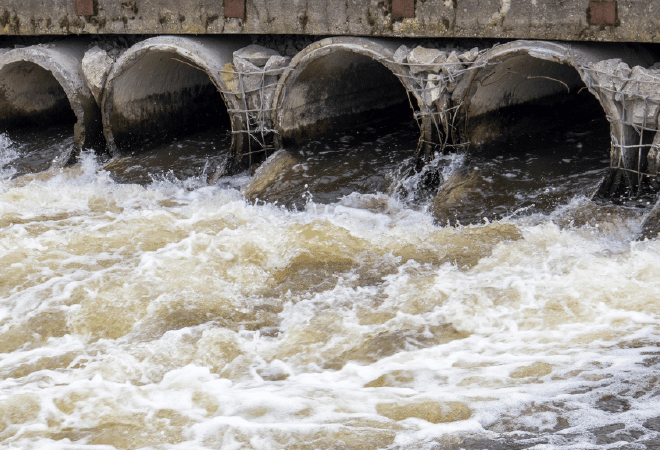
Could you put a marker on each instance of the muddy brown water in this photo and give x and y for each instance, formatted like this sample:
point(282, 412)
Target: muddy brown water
point(142, 308)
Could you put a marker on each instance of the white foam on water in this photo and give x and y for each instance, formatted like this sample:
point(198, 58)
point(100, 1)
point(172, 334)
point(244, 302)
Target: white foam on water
point(178, 315)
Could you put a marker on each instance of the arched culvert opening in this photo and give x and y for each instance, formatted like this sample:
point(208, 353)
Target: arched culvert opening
point(165, 88)
point(164, 95)
point(524, 86)
point(341, 84)
point(345, 120)
point(31, 96)
point(538, 134)
point(516, 95)
point(46, 107)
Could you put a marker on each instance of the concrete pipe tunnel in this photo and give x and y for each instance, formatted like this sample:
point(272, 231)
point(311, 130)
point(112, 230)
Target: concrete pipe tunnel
point(46, 103)
point(340, 83)
point(338, 99)
point(524, 94)
point(166, 88)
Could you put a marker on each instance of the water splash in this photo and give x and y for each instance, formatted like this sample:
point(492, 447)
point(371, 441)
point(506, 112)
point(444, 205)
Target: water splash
point(411, 185)
point(7, 154)
point(169, 181)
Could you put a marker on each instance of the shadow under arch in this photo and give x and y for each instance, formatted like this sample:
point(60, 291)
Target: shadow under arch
point(340, 82)
point(167, 86)
point(43, 85)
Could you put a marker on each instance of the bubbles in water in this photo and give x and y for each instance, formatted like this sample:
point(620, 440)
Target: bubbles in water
point(307, 195)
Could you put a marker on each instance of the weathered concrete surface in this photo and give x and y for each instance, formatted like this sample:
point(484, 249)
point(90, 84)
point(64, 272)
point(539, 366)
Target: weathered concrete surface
point(96, 65)
point(166, 84)
point(45, 84)
point(520, 71)
point(524, 71)
point(630, 21)
point(342, 81)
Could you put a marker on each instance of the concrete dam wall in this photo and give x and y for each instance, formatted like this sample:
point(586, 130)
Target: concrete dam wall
point(117, 96)
point(268, 73)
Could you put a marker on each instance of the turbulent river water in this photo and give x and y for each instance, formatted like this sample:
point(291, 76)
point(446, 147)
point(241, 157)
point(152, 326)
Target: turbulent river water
point(345, 308)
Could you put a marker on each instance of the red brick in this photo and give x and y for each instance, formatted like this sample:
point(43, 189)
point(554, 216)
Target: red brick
point(403, 9)
point(602, 13)
point(235, 8)
point(84, 7)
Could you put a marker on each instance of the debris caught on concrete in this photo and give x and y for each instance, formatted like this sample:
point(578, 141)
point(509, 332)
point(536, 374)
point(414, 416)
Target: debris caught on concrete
point(470, 55)
point(252, 82)
point(431, 75)
point(430, 72)
point(255, 54)
point(422, 59)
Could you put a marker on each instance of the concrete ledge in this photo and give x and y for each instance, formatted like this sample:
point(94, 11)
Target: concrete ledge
point(574, 20)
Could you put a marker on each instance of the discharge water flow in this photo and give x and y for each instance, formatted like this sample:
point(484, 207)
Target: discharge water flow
point(143, 308)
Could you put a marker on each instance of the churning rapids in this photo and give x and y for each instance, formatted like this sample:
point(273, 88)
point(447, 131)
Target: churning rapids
point(143, 308)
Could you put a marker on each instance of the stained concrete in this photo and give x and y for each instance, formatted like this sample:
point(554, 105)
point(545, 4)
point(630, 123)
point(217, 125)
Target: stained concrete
point(460, 95)
point(467, 97)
